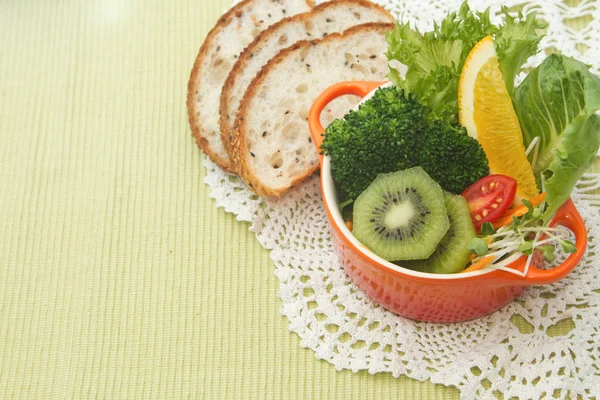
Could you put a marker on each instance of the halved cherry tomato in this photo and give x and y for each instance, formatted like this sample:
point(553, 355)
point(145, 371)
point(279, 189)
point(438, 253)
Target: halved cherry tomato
point(490, 197)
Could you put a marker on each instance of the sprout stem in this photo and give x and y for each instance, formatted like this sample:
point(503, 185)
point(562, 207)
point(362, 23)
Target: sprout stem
point(533, 143)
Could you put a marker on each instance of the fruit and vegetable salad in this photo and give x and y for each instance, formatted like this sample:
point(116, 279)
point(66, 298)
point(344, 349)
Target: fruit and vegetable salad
point(456, 167)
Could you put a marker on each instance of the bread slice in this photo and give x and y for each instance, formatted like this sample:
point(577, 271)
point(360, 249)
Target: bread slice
point(234, 31)
point(272, 144)
point(331, 17)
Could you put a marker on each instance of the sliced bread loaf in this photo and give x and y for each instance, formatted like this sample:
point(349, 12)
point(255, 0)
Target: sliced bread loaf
point(272, 146)
point(330, 17)
point(234, 31)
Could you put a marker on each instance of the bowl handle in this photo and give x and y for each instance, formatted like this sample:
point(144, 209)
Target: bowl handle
point(569, 217)
point(358, 88)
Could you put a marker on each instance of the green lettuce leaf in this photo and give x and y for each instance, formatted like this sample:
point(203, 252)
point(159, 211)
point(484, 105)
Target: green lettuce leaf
point(557, 102)
point(515, 42)
point(435, 59)
point(432, 73)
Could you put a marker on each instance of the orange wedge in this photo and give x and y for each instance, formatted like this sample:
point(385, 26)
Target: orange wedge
point(486, 110)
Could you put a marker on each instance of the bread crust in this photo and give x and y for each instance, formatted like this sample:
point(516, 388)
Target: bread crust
point(192, 89)
point(227, 135)
point(239, 155)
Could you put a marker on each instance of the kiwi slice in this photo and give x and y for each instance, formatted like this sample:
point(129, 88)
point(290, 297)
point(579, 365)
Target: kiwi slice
point(401, 215)
point(450, 255)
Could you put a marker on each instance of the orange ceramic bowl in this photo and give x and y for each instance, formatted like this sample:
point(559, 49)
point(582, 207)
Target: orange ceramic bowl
point(425, 296)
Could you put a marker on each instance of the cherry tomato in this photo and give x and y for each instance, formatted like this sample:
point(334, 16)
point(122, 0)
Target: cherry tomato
point(490, 197)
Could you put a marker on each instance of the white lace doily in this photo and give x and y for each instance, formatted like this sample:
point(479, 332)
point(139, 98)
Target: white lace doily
point(514, 351)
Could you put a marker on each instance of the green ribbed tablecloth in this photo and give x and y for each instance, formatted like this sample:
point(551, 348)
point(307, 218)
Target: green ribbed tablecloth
point(119, 278)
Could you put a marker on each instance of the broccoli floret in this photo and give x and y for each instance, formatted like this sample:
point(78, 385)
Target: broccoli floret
point(451, 157)
point(367, 141)
point(392, 132)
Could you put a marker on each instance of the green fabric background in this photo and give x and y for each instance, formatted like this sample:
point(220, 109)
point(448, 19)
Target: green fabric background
point(119, 278)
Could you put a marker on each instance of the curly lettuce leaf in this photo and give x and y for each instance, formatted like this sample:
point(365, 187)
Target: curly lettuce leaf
point(516, 41)
point(431, 72)
point(557, 102)
point(466, 26)
point(434, 59)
